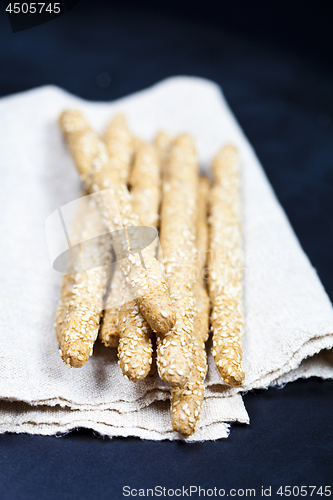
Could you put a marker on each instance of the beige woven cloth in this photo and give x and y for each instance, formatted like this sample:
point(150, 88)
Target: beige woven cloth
point(288, 315)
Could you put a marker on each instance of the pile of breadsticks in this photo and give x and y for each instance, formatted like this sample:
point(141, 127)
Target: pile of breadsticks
point(157, 314)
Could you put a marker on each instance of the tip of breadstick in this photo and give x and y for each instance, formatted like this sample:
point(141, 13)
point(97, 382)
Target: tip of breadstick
point(135, 361)
point(72, 120)
point(118, 120)
point(135, 373)
point(231, 374)
point(160, 320)
point(173, 364)
point(162, 139)
point(182, 426)
point(184, 140)
point(185, 414)
point(76, 354)
point(225, 159)
point(108, 332)
point(175, 380)
point(229, 150)
point(165, 320)
point(110, 340)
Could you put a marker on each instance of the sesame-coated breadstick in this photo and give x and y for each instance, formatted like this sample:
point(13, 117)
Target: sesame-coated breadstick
point(145, 194)
point(200, 289)
point(68, 279)
point(145, 183)
point(147, 282)
point(163, 143)
point(81, 302)
point(135, 345)
point(225, 266)
point(202, 224)
point(118, 140)
point(119, 143)
point(178, 219)
point(186, 402)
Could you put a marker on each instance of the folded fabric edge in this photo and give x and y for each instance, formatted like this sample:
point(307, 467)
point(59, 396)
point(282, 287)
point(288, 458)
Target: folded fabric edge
point(319, 366)
point(307, 350)
point(214, 391)
point(220, 430)
point(120, 406)
point(21, 418)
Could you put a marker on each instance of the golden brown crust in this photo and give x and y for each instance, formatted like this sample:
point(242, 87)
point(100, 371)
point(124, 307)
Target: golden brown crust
point(226, 265)
point(151, 293)
point(186, 402)
point(139, 300)
point(135, 346)
point(202, 225)
point(145, 184)
point(163, 143)
point(81, 302)
point(178, 217)
point(119, 145)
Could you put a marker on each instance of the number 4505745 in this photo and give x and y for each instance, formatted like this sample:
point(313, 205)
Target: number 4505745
point(33, 8)
point(304, 491)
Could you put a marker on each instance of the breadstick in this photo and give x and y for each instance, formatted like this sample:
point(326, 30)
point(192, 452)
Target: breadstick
point(81, 303)
point(135, 345)
point(178, 217)
point(163, 143)
point(225, 266)
point(119, 143)
point(200, 289)
point(145, 193)
point(66, 297)
point(186, 402)
point(68, 279)
point(145, 185)
point(147, 282)
point(118, 140)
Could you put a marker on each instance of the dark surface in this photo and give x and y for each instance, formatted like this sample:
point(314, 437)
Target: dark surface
point(278, 83)
point(289, 442)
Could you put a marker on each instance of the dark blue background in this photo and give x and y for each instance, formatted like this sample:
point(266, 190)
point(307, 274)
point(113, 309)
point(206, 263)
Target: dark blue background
point(274, 63)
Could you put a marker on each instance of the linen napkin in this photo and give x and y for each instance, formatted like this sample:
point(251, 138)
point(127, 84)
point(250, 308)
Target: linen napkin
point(288, 316)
